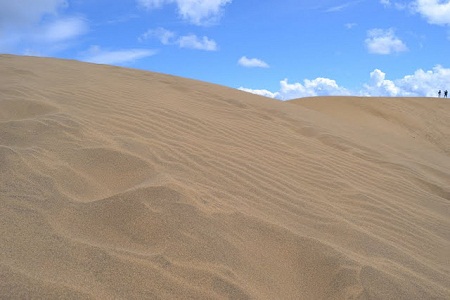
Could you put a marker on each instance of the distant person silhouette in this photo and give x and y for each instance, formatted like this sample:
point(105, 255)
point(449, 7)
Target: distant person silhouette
point(439, 93)
point(445, 93)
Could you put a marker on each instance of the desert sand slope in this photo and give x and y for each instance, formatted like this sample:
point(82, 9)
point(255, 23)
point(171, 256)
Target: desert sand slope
point(118, 183)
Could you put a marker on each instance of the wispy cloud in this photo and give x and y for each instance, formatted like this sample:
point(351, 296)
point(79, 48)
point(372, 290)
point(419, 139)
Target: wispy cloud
point(194, 42)
point(166, 37)
point(197, 12)
point(384, 42)
point(122, 19)
point(252, 62)
point(63, 29)
point(38, 27)
point(25, 13)
point(342, 6)
point(350, 25)
point(115, 57)
point(190, 41)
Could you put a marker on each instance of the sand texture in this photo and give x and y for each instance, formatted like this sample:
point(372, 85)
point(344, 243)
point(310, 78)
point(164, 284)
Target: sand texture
point(123, 184)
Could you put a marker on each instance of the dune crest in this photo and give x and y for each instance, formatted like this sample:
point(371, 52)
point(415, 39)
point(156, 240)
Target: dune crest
point(119, 183)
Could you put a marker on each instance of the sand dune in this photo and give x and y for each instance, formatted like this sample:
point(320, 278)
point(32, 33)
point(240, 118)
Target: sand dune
point(119, 183)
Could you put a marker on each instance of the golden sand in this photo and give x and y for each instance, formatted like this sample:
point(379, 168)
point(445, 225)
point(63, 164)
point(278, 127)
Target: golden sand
point(125, 184)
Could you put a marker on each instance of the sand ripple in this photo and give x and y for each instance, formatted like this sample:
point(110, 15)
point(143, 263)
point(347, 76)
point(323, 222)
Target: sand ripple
point(118, 183)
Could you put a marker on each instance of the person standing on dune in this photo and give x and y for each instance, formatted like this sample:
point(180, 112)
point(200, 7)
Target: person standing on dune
point(445, 93)
point(439, 93)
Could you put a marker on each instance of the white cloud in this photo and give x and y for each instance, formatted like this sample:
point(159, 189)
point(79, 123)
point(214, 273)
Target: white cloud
point(421, 83)
point(118, 57)
point(24, 13)
point(264, 93)
point(150, 4)
point(37, 26)
point(201, 11)
point(350, 25)
point(399, 5)
point(342, 6)
point(165, 36)
point(316, 87)
point(379, 85)
point(191, 41)
point(198, 12)
point(381, 41)
point(252, 62)
point(62, 30)
point(434, 11)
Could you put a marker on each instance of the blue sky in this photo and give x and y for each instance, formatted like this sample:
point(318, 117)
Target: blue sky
point(277, 48)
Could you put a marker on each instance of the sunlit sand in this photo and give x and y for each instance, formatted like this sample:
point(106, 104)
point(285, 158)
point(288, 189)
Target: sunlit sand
point(119, 183)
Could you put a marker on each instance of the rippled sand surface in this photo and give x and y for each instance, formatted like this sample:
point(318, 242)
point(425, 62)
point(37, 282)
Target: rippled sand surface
point(125, 184)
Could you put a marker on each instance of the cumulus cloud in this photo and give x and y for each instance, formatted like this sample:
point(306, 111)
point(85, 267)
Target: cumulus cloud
point(252, 62)
point(421, 83)
point(379, 85)
point(316, 87)
point(117, 57)
point(198, 12)
point(384, 42)
point(191, 41)
point(436, 12)
point(265, 93)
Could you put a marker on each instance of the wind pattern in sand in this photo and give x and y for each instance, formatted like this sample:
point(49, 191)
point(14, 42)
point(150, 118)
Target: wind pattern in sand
point(119, 183)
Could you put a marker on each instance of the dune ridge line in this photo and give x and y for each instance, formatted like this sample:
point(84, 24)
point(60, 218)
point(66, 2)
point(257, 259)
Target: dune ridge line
point(121, 183)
